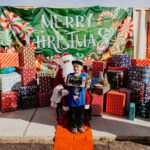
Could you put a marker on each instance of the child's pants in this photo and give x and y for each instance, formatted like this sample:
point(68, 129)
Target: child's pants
point(76, 116)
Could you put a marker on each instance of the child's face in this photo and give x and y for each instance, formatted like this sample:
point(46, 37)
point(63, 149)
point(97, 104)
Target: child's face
point(77, 68)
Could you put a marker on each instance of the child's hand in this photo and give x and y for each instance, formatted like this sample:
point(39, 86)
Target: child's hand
point(64, 92)
point(88, 81)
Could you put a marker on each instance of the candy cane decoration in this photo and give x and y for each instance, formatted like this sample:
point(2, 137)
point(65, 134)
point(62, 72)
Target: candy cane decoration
point(88, 60)
point(12, 21)
point(104, 14)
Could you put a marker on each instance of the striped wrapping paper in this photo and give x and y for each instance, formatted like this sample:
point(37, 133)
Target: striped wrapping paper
point(139, 73)
point(26, 56)
point(120, 60)
point(140, 62)
point(10, 82)
point(9, 60)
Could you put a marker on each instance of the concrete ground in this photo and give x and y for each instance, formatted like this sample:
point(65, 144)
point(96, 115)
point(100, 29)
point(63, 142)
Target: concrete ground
point(37, 126)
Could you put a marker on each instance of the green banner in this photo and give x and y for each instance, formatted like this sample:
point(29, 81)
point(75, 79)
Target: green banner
point(86, 33)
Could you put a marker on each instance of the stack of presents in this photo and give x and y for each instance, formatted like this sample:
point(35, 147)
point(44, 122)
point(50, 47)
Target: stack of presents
point(121, 87)
point(21, 86)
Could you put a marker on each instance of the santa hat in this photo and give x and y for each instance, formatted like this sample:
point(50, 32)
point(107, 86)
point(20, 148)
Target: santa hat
point(67, 56)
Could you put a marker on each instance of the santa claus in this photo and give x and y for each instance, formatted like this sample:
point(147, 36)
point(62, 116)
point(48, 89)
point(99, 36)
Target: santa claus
point(58, 99)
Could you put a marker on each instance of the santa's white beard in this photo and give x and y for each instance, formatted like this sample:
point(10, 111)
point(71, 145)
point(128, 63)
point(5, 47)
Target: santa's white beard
point(67, 68)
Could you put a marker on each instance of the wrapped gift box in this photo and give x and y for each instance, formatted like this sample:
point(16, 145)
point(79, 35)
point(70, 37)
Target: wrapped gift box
point(139, 73)
point(10, 82)
point(125, 71)
point(100, 90)
point(128, 96)
point(140, 62)
point(117, 68)
point(27, 102)
point(137, 91)
point(142, 109)
point(132, 111)
point(44, 81)
point(98, 66)
point(26, 57)
point(147, 93)
point(97, 104)
point(115, 103)
point(9, 60)
point(120, 60)
point(44, 99)
point(28, 76)
point(8, 101)
point(115, 78)
point(28, 90)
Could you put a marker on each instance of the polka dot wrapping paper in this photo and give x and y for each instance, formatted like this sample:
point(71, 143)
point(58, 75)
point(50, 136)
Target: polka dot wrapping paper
point(98, 66)
point(8, 101)
point(121, 60)
point(26, 57)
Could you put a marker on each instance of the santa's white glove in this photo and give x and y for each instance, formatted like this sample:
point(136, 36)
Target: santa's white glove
point(53, 104)
point(64, 92)
point(65, 108)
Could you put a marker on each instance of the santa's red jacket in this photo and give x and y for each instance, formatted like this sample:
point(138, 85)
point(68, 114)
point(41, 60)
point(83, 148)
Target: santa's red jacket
point(60, 80)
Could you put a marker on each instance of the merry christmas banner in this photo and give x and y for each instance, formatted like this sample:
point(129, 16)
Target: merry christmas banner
point(87, 33)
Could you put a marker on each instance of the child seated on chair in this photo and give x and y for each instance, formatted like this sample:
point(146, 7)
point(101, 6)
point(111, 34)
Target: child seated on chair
point(76, 99)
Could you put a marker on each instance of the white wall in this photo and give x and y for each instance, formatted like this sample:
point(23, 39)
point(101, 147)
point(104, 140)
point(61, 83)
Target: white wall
point(77, 3)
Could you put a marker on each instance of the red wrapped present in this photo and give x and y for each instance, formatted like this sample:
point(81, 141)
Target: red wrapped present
point(44, 81)
point(44, 99)
point(140, 62)
point(9, 60)
point(26, 56)
point(115, 103)
point(98, 66)
point(97, 104)
point(117, 68)
point(8, 101)
point(28, 76)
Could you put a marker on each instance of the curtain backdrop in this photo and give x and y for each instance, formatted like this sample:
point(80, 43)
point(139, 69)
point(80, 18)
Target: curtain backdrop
point(141, 18)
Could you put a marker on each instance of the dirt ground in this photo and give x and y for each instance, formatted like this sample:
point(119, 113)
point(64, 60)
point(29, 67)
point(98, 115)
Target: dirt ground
point(117, 145)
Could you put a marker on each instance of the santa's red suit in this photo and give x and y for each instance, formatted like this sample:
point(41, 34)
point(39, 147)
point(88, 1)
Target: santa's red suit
point(66, 68)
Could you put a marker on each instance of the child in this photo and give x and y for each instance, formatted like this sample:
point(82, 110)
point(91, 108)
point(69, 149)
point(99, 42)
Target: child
point(76, 100)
